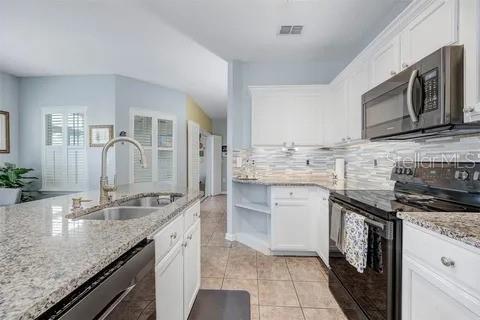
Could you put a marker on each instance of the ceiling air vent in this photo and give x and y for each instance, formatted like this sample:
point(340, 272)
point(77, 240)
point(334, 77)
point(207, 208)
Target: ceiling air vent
point(284, 30)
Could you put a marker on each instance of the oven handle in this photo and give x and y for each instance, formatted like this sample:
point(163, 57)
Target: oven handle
point(114, 304)
point(411, 110)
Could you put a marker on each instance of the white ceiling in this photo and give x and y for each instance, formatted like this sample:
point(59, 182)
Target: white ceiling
point(335, 30)
point(168, 41)
point(63, 37)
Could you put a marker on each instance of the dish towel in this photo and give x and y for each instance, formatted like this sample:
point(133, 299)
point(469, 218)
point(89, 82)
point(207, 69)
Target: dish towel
point(336, 225)
point(356, 240)
point(375, 253)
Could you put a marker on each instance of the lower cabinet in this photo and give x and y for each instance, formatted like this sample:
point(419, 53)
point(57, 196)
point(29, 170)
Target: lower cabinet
point(439, 277)
point(177, 273)
point(291, 221)
point(191, 266)
point(300, 220)
point(169, 285)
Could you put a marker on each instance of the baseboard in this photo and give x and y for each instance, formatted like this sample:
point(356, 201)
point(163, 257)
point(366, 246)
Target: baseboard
point(230, 237)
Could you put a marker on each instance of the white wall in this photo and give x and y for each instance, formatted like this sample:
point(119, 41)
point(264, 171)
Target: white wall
point(220, 129)
point(97, 93)
point(9, 87)
point(132, 93)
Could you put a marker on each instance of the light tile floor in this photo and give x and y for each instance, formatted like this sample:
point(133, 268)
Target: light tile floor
point(281, 288)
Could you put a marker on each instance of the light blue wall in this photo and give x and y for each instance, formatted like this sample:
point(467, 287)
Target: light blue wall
point(9, 87)
point(268, 73)
point(95, 92)
point(132, 93)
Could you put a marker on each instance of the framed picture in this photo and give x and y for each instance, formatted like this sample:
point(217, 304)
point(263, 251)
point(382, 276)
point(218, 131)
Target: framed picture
point(4, 132)
point(100, 134)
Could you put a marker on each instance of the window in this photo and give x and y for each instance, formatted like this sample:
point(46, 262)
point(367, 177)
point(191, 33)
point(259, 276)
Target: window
point(64, 160)
point(157, 134)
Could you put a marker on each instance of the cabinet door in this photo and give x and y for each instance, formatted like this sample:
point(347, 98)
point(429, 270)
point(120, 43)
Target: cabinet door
point(269, 119)
point(435, 27)
point(169, 285)
point(305, 120)
point(323, 227)
point(357, 86)
point(386, 62)
point(191, 256)
point(291, 222)
point(426, 295)
point(335, 127)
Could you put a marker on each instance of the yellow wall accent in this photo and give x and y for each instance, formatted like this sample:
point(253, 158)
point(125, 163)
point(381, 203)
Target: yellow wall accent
point(195, 113)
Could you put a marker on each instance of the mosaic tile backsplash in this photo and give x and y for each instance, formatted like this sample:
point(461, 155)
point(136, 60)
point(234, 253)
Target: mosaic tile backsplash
point(369, 162)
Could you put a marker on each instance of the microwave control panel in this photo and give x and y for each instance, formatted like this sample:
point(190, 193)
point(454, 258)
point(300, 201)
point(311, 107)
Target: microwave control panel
point(430, 90)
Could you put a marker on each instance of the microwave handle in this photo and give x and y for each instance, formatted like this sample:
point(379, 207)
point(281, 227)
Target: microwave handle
point(411, 110)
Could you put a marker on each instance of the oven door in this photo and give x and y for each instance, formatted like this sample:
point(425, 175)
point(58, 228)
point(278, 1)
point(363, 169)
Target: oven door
point(375, 293)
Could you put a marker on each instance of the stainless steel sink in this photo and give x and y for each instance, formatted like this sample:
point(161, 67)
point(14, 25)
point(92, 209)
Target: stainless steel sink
point(118, 213)
point(157, 201)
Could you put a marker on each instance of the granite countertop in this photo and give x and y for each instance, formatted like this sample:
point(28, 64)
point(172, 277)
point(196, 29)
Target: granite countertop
point(44, 255)
point(322, 181)
point(461, 226)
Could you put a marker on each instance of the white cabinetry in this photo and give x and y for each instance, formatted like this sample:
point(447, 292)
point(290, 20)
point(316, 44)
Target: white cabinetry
point(191, 266)
point(177, 265)
point(169, 285)
point(287, 114)
point(291, 221)
point(357, 85)
point(433, 28)
point(335, 124)
point(385, 62)
point(440, 278)
point(322, 224)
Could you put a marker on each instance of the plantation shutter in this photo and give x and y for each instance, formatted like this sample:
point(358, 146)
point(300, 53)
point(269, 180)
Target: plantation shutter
point(156, 133)
point(64, 164)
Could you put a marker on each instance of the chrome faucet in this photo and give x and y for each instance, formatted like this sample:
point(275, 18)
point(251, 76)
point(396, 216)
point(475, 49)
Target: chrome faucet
point(105, 188)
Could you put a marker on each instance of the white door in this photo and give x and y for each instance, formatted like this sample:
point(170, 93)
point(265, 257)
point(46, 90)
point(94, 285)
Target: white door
point(191, 265)
point(386, 62)
point(193, 155)
point(356, 87)
point(214, 165)
point(427, 295)
point(435, 27)
point(291, 224)
point(169, 286)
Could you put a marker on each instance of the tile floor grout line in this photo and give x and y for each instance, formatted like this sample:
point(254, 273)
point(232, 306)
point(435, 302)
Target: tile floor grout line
point(296, 292)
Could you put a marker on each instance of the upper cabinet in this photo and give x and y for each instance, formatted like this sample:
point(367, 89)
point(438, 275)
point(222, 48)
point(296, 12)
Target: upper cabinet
point(288, 115)
point(357, 85)
point(433, 28)
point(385, 62)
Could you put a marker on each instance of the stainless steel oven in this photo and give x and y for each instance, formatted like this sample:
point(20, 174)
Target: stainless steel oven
point(425, 99)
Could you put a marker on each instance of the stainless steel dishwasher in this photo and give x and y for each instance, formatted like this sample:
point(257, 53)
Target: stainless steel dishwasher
point(101, 296)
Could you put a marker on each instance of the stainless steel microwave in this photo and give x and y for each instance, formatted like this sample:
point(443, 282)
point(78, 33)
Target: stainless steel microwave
point(424, 100)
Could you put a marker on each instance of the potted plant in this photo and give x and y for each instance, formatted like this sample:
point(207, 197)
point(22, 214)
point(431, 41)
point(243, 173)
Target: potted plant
point(12, 180)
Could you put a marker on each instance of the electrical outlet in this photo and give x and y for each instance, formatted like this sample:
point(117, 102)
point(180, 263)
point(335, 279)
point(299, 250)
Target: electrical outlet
point(375, 163)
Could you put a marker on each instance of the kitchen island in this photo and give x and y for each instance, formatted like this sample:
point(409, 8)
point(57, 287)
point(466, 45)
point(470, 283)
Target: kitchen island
point(44, 255)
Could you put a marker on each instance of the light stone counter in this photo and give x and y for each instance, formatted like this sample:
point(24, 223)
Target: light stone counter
point(44, 255)
point(461, 226)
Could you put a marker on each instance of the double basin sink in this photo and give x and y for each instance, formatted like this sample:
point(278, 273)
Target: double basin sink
point(132, 209)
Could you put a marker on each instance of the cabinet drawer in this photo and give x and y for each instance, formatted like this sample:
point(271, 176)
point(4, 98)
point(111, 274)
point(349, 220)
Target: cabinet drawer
point(166, 238)
point(431, 248)
point(290, 193)
point(191, 215)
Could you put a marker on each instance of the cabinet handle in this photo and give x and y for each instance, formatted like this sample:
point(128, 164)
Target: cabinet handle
point(447, 262)
point(392, 73)
point(468, 109)
point(185, 244)
point(189, 237)
point(173, 236)
point(405, 65)
point(324, 199)
point(276, 203)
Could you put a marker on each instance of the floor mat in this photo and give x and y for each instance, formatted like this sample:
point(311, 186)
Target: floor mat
point(221, 305)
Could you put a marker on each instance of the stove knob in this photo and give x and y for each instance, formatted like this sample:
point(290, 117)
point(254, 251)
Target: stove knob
point(476, 175)
point(461, 175)
point(399, 170)
point(409, 171)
